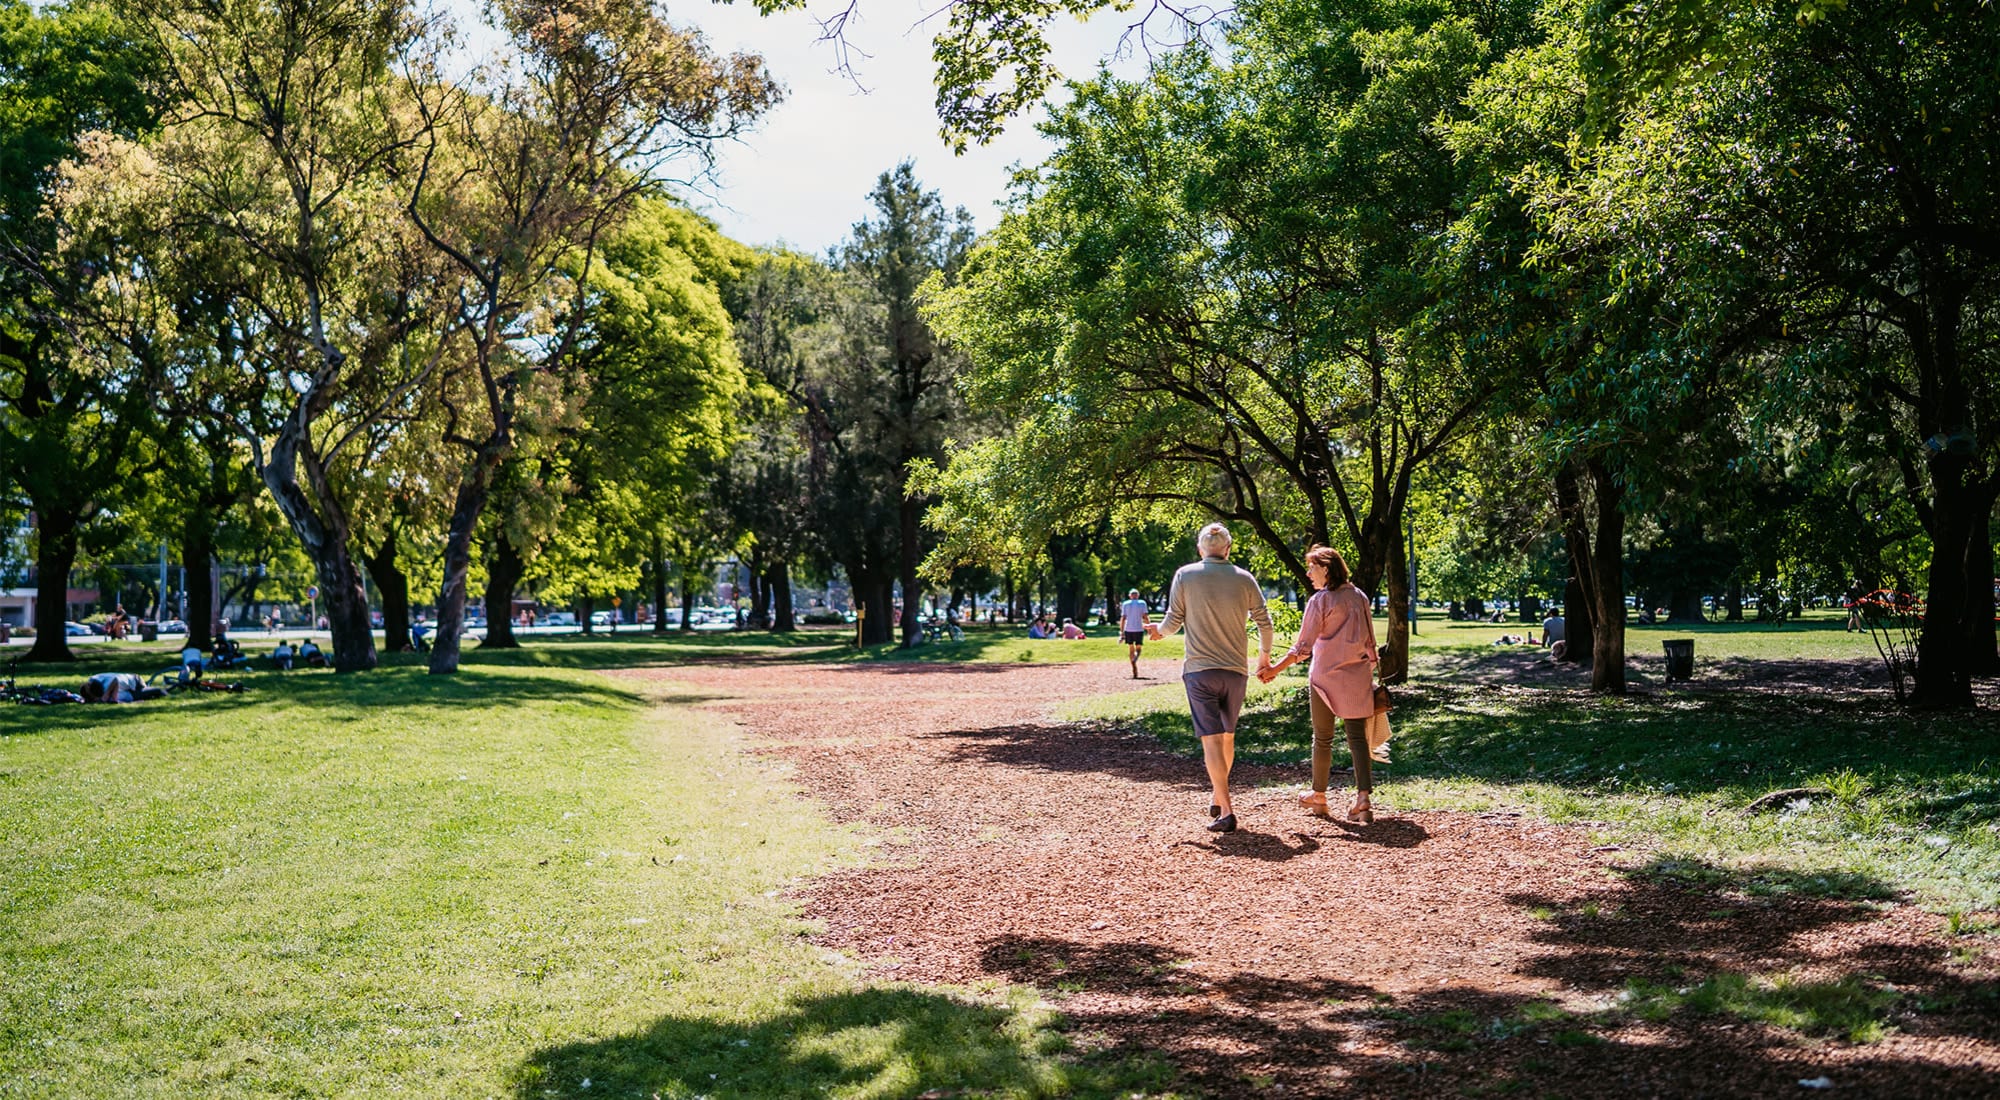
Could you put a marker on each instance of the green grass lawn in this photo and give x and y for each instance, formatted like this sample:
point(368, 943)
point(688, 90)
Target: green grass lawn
point(521, 881)
point(1817, 635)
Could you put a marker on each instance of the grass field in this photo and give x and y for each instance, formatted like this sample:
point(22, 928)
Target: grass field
point(522, 881)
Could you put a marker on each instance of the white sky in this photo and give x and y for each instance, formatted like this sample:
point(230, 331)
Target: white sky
point(801, 178)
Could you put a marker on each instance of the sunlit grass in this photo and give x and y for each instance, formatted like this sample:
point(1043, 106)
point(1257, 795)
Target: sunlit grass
point(500, 883)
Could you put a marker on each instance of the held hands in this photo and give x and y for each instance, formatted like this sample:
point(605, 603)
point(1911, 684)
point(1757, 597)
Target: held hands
point(1266, 672)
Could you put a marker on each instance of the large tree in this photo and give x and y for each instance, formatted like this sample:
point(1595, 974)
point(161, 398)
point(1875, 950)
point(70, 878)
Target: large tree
point(270, 182)
point(528, 165)
point(1824, 175)
point(909, 375)
point(71, 432)
point(1214, 294)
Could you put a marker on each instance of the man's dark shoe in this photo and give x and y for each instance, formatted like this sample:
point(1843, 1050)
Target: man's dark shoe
point(1214, 810)
point(1223, 824)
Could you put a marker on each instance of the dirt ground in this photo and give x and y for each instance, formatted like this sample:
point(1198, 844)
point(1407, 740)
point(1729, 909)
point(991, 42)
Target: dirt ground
point(1418, 956)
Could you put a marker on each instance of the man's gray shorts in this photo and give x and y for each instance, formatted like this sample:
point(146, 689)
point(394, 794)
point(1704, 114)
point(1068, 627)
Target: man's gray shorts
point(1215, 696)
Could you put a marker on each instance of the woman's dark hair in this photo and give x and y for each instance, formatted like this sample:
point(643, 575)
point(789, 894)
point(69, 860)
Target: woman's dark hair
point(1328, 558)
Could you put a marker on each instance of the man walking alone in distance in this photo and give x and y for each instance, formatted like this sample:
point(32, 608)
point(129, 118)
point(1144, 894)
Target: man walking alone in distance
point(1133, 612)
point(1212, 599)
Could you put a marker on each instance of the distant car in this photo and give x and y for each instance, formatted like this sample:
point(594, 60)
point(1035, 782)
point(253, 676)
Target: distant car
point(173, 626)
point(559, 618)
point(77, 630)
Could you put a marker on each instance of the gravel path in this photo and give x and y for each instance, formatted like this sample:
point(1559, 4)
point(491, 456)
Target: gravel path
point(1428, 954)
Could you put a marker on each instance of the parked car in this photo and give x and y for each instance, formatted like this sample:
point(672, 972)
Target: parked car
point(603, 618)
point(559, 618)
point(77, 630)
point(173, 626)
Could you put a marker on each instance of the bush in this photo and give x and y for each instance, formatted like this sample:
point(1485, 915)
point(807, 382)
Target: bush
point(823, 618)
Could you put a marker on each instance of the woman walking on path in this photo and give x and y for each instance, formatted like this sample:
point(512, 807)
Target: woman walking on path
point(1338, 632)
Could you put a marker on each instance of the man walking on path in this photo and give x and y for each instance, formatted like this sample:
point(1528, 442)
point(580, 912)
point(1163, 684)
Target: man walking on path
point(1212, 598)
point(1133, 629)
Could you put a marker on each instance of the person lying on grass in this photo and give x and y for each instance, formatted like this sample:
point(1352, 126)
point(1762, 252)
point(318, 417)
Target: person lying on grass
point(118, 687)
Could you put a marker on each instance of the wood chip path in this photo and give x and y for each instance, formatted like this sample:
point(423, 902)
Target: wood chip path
point(1303, 957)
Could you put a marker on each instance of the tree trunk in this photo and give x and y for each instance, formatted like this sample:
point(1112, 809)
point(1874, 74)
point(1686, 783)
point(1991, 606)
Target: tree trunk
point(782, 620)
point(470, 503)
point(1072, 600)
point(1733, 601)
point(760, 593)
point(55, 555)
point(1607, 575)
point(687, 602)
point(503, 575)
point(659, 585)
point(1982, 654)
point(1944, 661)
point(394, 585)
point(876, 598)
point(1576, 614)
point(322, 534)
point(586, 612)
point(1395, 668)
point(197, 554)
point(1599, 559)
point(909, 515)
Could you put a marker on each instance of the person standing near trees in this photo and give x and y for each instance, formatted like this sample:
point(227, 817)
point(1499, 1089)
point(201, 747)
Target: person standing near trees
point(1212, 599)
point(1133, 627)
point(1337, 632)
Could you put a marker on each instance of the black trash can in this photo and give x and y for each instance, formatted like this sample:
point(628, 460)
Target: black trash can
point(149, 630)
point(1680, 658)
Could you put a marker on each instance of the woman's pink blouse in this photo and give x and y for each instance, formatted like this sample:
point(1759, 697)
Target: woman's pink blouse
point(1338, 632)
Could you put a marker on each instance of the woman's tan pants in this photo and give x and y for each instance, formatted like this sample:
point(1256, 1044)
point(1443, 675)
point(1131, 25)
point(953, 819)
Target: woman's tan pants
point(1325, 724)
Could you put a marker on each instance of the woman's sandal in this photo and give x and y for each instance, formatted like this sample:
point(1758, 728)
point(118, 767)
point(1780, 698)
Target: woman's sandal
point(1363, 814)
point(1314, 802)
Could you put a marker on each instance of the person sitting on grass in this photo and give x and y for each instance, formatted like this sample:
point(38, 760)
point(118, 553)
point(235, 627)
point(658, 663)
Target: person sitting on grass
point(228, 654)
point(1071, 631)
point(309, 652)
point(1035, 630)
point(281, 657)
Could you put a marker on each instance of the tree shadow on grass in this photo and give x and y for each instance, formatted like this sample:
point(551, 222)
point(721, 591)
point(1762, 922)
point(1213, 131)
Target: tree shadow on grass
point(885, 1042)
point(18, 720)
point(328, 695)
point(646, 650)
